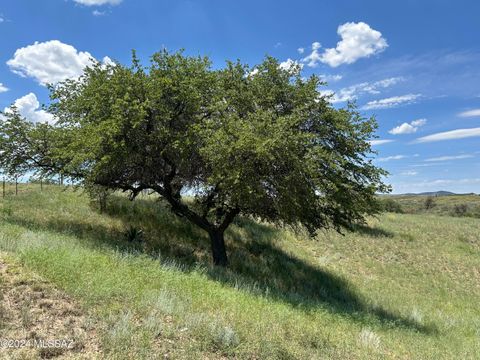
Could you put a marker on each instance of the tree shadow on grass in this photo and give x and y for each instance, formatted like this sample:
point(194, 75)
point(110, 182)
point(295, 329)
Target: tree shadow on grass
point(255, 259)
point(372, 231)
point(257, 265)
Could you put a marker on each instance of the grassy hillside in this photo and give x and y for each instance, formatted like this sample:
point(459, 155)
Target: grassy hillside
point(406, 287)
point(450, 205)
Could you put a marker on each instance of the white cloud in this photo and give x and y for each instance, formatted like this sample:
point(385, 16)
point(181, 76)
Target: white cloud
point(359, 40)
point(429, 164)
point(50, 62)
point(29, 107)
point(394, 157)
point(408, 128)
point(301, 50)
point(405, 128)
point(354, 91)
point(253, 72)
point(330, 78)
point(98, 13)
point(457, 181)
point(419, 122)
point(450, 135)
point(380, 142)
point(315, 57)
point(98, 2)
point(288, 64)
point(409, 173)
point(3, 88)
point(470, 113)
point(391, 102)
point(106, 61)
point(452, 157)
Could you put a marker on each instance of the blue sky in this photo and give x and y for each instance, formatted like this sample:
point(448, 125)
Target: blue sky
point(415, 65)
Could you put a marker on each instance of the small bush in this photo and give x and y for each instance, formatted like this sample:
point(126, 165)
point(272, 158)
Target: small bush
point(429, 203)
point(119, 337)
point(460, 209)
point(390, 205)
point(99, 196)
point(475, 212)
point(224, 337)
point(369, 339)
point(134, 235)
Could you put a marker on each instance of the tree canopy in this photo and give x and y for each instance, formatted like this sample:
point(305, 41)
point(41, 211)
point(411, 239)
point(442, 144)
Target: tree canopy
point(260, 142)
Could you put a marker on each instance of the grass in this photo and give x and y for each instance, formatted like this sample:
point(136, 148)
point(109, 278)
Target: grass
point(32, 311)
point(406, 286)
point(450, 205)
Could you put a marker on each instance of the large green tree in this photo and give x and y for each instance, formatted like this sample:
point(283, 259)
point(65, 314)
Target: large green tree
point(214, 143)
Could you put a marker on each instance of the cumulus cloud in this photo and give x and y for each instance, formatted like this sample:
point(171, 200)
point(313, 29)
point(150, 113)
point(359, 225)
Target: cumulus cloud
point(50, 62)
point(3, 88)
point(106, 61)
point(450, 157)
point(301, 50)
point(450, 135)
point(288, 64)
point(380, 142)
point(394, 157)
point(29, 107)
point(315, 57)
point(359, 40)
point(408, 128)
point(470, 113)
point(391, 102)
point(98, 2)
point(354, 91)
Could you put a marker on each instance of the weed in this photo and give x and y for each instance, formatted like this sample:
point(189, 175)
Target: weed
point(369, 339)
point(134, 235)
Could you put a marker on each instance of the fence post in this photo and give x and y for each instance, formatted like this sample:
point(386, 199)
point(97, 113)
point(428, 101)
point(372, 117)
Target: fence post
point(16, 185)
point(3, 193)
point(41, 184)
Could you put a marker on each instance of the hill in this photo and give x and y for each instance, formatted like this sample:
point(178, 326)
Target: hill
point(466, 205)
point(405, 286)
point(430, 193)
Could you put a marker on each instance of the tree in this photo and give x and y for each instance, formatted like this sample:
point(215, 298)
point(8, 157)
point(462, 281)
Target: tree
point(213, 143)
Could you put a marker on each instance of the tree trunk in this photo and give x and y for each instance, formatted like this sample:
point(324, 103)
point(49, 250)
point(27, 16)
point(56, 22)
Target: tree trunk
point(219, 252)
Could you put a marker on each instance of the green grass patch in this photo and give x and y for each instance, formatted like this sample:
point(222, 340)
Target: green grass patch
point(406, 286)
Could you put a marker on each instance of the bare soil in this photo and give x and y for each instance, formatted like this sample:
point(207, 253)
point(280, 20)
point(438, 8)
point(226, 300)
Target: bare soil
point(38, 321)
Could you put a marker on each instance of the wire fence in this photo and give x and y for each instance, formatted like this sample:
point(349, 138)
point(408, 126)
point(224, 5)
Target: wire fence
point(13, 186)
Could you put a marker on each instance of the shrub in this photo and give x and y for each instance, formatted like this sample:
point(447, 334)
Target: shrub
point(134, 235)
point(460, 209)
point(429, 203)
point(98, 197)
point(390, 205)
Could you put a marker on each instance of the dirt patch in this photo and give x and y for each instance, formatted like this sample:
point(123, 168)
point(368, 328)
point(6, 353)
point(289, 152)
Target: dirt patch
point(39, 322)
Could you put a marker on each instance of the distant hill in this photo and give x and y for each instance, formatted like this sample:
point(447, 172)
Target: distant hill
point(432, 193)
